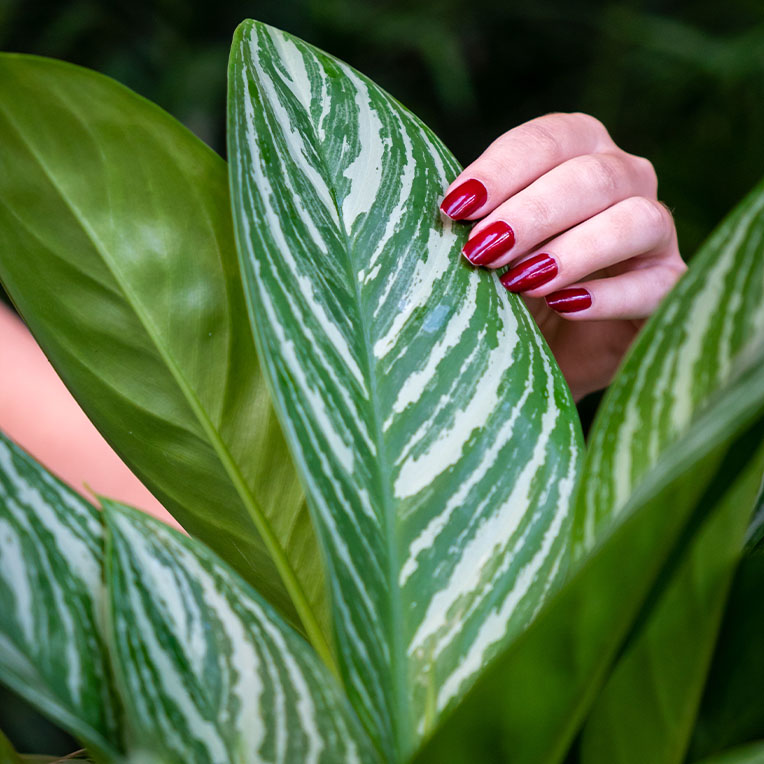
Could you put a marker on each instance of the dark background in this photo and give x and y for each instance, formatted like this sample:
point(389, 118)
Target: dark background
point(679, 82)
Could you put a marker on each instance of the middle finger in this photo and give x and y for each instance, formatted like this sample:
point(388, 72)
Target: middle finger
point(565, 196)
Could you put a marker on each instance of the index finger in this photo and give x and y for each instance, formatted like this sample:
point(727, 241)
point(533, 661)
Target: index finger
point(519, 157)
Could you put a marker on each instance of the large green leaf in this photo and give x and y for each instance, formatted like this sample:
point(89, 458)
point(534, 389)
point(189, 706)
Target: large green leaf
point(207, 670)
point(648, 708)
point(685, 353)
point(529, 703)
point(51, 601)
point(434, 433)
point(116, 245)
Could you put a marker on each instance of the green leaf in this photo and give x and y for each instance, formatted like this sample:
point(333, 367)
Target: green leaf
point(52, 649)
point(749, 754)
point(530, 702)
point(648, 707)
point(8, 753)
point(116, 245)
point(207, 671)
point(732, 711)
point(434, 433)
point(686, 351)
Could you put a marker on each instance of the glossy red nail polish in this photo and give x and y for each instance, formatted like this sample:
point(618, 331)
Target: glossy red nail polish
point(465, 199)
point(569, 300)
point(489, 243)
point(529, 274)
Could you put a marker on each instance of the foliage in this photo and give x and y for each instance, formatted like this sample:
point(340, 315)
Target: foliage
point(461, 585)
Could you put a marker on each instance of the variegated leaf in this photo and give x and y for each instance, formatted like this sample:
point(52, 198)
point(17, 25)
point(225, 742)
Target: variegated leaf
point(433, 430)
point(686, 352)
point(51, 597)
point(208, 671)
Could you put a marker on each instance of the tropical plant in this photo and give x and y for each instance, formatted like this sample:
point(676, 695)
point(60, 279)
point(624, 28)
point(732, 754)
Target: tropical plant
point(460, 581)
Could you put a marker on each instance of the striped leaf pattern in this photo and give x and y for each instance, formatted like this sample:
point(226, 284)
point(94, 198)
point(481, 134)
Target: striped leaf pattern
point(433, 431)
point(51, 600)
point(687, 351)
point(207, 670)
point(141, 311)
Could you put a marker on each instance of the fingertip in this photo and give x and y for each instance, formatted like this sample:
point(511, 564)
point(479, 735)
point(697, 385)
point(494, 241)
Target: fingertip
point(570, 300)
point(465, 199)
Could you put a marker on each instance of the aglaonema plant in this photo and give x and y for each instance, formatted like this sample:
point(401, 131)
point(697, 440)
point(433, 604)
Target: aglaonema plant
point(398, 549)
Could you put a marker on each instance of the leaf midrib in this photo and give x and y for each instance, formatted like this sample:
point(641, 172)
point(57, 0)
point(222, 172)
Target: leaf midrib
point(257, 516)
point(402, 739)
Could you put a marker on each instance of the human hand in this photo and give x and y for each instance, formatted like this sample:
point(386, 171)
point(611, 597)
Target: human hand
point(593, 252)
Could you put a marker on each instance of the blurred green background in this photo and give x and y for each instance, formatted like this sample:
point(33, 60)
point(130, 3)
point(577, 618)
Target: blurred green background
point(679, 82)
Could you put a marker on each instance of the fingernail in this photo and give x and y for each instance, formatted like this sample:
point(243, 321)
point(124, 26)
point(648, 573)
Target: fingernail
point(489, 243)
point(464, 199)
point(569, 300)
point(529, 274)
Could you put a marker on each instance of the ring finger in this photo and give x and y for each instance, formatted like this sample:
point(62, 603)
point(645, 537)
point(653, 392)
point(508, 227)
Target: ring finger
point(562, 198)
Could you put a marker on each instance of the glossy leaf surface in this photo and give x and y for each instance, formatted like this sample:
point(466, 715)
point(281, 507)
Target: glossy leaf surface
point(208, 672)
point(433, 431)
point(530, 702)
point(52, 638)
point(116, 246)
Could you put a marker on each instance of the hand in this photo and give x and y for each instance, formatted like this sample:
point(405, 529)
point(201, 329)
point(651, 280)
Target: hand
point(592, 250)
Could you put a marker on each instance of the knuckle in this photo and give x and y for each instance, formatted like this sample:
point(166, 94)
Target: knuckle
point(650, 213)
point(603, 172)
point(542, 137)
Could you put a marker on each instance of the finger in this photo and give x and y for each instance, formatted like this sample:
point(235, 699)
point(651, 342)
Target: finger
point(520, 156)
point(631, 295)
point(635, 227)
point(567, 195)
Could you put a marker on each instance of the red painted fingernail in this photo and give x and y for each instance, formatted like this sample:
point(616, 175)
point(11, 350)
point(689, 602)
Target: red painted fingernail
point(464, 199)
point(489, 243)
point(569, 300)
point(530, 274)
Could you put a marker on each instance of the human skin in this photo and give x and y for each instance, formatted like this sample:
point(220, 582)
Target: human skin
point(592, 251)
point(38, 413)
